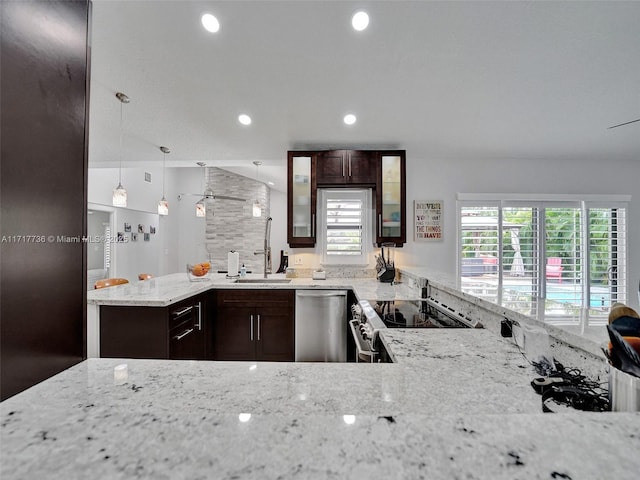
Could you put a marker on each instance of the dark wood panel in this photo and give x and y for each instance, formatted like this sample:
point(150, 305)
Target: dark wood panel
point(275, 339)
point(331, 168)
point(256, 297)
point(44, 89)
point(233, 338)
point(361, 168)
point(134, 332)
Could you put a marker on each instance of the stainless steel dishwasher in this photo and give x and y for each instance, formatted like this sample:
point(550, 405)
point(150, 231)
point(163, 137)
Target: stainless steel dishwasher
point(321, 326)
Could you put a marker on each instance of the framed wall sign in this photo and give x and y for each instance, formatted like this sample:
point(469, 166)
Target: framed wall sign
point(427, 219)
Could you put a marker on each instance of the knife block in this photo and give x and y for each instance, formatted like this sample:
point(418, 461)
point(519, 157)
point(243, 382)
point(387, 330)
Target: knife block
point(386, 274)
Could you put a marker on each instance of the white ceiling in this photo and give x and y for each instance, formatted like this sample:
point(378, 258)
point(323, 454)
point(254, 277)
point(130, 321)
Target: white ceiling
point(443, 80)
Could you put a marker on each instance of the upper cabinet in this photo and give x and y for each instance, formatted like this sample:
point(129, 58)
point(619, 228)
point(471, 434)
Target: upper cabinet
point(390, 196)
point(346, 167)
point(301, 199)
point(383, 171)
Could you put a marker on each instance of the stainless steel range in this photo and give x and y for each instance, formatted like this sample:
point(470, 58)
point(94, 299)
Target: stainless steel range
point(365, 326)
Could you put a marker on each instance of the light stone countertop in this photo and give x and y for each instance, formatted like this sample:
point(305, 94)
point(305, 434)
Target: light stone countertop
point(168, 289)
point(456, 405)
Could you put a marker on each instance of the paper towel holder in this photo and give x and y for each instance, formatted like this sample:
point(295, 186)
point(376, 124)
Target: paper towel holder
point(234, 273)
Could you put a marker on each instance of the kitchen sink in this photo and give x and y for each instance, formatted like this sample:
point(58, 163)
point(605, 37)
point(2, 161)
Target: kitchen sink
point(263, 280)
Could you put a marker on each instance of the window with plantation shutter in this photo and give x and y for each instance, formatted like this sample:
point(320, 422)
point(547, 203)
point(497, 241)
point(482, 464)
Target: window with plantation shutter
point(344, 226)
point(548, 257)
point(345, 217)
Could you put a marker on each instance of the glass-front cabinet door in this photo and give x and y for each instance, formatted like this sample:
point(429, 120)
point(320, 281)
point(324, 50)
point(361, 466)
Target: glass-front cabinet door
point(301, 201)
point(390, 198)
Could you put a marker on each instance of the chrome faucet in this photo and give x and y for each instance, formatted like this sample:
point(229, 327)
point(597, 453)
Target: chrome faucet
point(267, 248)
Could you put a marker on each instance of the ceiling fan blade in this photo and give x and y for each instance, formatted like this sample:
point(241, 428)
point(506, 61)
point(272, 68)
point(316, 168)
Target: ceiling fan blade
point(625, 123)
point(224, 197)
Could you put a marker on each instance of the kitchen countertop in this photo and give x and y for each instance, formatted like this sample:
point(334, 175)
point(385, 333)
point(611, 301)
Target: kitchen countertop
point(456, 405)
point(168, 289)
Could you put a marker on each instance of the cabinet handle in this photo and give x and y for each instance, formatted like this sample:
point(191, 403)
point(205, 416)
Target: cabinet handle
point(251, 320)
point(199, 307)
point(313, 225)
point(343, 168)
point(258, 327)
point(380, 225)
point(183, 334)
point(183, 311)
point(349, 166)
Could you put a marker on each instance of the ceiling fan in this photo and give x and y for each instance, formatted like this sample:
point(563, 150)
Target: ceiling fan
point(201, 208)
point(625, 123)
point(208, 193)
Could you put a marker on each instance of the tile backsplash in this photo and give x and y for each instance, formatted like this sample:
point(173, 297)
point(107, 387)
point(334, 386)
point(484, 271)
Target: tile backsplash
point(231, 224)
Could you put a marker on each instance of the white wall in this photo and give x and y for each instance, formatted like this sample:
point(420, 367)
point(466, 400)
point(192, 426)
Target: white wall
point(443, 179)
point(278, 212)
point(189, 230)
point(439, 179)
point(132, 258)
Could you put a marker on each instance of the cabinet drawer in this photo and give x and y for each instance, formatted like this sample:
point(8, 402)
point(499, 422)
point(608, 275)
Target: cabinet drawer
point(255, 297)
point(181, 313)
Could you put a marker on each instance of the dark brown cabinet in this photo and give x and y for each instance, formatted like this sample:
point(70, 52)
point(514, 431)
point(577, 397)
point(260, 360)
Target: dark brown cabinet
point(382, 171)
point(390, 198)
point(346, 167)
point(255, 325)
point(301, 199)
point(178, 331)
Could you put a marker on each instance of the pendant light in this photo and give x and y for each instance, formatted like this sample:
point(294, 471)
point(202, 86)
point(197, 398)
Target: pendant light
point(119, 193)
point(163, 205)
point(201, 209)
point(257, 208)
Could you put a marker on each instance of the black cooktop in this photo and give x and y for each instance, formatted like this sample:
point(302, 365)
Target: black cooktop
point(394, 317)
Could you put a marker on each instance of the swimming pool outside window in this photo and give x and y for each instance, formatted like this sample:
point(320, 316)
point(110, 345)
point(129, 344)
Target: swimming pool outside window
point(546, 257)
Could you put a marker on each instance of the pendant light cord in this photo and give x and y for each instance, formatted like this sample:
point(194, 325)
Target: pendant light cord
point(120, 170)
point(164, 156)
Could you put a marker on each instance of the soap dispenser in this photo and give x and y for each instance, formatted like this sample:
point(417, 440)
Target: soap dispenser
point(243, 271)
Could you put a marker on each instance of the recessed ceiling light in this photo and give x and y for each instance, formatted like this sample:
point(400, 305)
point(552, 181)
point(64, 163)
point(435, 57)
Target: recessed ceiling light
point(349, 119)
point(244, 119)
point(210, 23)
point(360, 20)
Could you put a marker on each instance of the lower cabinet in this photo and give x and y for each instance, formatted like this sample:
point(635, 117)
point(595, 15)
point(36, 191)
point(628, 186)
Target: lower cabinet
point(178, 331)
point(255, 325)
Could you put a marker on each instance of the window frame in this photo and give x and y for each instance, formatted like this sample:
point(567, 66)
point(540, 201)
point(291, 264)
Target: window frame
point(618, 250)
point(363, 194)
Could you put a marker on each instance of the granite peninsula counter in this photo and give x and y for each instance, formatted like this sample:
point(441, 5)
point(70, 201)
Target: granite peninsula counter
point(456, 405)
point(168, 289)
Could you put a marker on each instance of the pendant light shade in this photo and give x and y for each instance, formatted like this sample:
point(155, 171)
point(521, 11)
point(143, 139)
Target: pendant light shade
point(163, 205)
point(201, 209)
point(119, 193)
point(119, 196)
point(257, 208)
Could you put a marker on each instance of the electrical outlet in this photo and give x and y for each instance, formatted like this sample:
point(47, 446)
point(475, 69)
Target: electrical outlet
point(297, 261)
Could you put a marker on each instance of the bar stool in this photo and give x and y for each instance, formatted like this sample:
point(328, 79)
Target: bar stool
point(110, 282)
